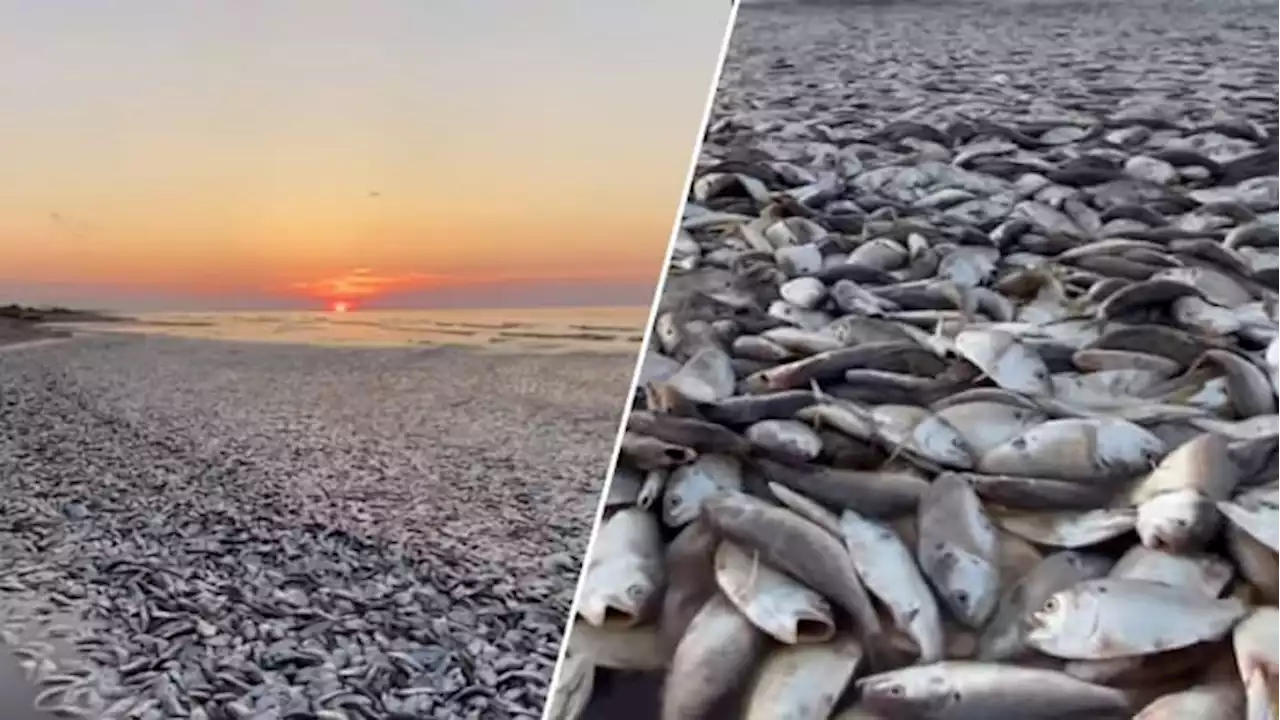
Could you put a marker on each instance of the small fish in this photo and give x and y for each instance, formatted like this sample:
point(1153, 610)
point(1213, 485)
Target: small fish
point(706, 377)
point(958, 550)
point(1070, 529)
point(690, 566)
point(690, 485)
point(797, 547)
point(1213, 699)
point(639, 648)
point(1200, 571)
point(1006, 360)
point(1257, 512)
point(986, 425)
point(964, 690)
point(1256, 562)
point(784, 609)
point(889, 571)
point(649, 453)
point(574, 684)
point(1176, 501)
point(714, 657)
point(1085, 450)
point(803, 682)
point(1255, 642)
point(624, 577)
point(1113, 618)
point(1002, 637)
point(787, 439)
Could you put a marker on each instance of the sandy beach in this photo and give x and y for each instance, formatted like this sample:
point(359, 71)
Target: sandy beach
point(296, 527)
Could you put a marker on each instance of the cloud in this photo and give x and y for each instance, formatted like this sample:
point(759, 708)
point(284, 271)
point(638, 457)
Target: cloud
point(363, 282)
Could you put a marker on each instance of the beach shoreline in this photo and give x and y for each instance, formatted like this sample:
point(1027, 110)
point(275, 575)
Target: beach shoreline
point(599, 331)
point(459, 487)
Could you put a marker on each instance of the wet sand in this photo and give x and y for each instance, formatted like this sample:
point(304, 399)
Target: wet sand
point(460, 483)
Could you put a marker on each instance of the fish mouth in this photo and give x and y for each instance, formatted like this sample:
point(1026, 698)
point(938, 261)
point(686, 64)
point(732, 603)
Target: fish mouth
point(610, 614)
point(618, 618)
point(813, 630)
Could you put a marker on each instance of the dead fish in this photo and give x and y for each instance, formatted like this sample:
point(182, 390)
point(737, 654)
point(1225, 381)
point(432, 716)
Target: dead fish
point(1200, 571)
point(1004, 359)
point(1002, 638)
point(893, 301)
point(1112, 618)
point(1070, 529)
point(807, 508)
point(1214, 699)
point(690, 485)
point(624, 487)
point(1257, 563)
point(691, 580)
point(715, 656)
point(638, 649)
point(922, 433)
point(960, 690)
point(1176, 501)
point(699, 435)
point(889, 571)
point(1257, 512)
point(1076, 449)
point(575, 681)
point(622, 581)
point(985, 425)
point(786, 438)
point(706, 377)
point(1017, 492)
point(784, 609)
point(648, 453)
point(1254, 641)
point(803, 682)
point(879, 494)
point(1156, 291)
point(797, 547)
point(958, 550)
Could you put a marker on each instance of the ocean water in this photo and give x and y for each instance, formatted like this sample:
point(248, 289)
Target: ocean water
point(599, 329)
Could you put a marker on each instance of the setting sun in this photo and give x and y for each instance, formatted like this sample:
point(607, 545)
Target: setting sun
point(340, 306)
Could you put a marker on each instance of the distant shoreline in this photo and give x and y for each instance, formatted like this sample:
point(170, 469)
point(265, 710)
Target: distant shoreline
point(38, 315)
point(20, 324)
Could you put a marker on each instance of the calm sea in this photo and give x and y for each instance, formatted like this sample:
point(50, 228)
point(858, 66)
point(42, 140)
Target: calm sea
point(607, 329)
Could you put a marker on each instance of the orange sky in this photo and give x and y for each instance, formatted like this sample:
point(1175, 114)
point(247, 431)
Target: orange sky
point(167, 154)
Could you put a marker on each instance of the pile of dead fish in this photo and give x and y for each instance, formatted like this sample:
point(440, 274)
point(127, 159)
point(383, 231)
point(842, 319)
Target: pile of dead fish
point(961, 420)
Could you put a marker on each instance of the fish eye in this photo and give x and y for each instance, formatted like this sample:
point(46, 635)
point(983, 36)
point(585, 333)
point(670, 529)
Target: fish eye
point(897, 690)
point(635, 592)
point(1050, 605)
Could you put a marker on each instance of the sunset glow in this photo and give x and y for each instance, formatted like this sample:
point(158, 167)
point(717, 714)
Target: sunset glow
point(205, 155)
point(340, 306)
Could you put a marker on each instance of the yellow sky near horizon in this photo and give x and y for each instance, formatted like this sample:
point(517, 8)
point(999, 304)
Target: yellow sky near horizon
point(302, 147)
